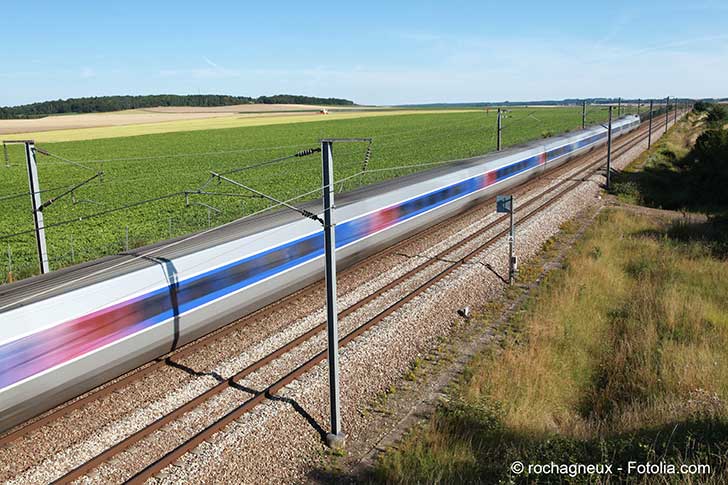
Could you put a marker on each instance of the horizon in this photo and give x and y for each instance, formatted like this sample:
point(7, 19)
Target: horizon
point(383, 55)
point(433, 103)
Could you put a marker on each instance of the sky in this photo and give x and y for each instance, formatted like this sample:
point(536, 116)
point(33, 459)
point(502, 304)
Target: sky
point(373, 52)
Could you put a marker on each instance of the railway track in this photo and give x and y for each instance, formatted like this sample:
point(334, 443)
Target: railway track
point(248, 320)
point(560, 189)
point(261, 396)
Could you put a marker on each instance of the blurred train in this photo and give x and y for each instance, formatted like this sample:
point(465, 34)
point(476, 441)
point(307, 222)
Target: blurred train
point(71, 330)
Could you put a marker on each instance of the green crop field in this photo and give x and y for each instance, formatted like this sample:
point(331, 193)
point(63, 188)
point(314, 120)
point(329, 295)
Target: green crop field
point(143, 167)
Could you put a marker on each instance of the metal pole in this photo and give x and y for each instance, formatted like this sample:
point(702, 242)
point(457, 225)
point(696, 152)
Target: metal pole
point(667, 112)
point(649, 133)
point(511, 244)
point(500, 128)
point(639, 101)
point(619, 107)
point(10, 264)
point(336, 437)
point(7, 158)
point(583, 115)
point(609, 150)
point(36, 203)
point(677, 105)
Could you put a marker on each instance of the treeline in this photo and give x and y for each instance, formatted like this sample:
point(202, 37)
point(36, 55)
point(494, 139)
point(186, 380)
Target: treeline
point(297, 99)
point(103, 104)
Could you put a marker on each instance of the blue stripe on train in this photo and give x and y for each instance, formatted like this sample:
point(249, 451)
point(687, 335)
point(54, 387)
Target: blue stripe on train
point(222, 281)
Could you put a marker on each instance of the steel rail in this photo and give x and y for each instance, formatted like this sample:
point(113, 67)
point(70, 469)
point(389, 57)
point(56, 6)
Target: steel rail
point(214, 336)
point(254, 317)
point(270, 391)
point(223, 385)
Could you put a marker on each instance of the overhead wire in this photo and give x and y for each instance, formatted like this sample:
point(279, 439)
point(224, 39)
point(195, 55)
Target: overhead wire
point(149, 254)
point(24, 194)
point(4, 237)
point(135, 179)
point(62, 159)
point(190, 154)
point(302, 153)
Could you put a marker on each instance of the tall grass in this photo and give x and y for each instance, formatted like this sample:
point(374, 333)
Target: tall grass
point(620, 356)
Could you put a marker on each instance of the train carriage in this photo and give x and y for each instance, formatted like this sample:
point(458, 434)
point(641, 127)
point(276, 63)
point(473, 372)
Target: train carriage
point(66, 332)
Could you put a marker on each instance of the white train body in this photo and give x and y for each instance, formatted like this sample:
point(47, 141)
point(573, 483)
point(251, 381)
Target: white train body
point(66, 332)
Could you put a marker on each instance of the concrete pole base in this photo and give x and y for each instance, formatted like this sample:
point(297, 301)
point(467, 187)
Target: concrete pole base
point(336, 441)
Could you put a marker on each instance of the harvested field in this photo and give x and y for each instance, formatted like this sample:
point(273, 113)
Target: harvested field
point(153, 115)
point(253, 108)
point(160, 120)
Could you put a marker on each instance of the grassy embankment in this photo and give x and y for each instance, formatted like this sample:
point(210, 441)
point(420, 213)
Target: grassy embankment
point(620, 356)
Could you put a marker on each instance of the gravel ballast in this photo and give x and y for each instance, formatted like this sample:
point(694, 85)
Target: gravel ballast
point(281, 440)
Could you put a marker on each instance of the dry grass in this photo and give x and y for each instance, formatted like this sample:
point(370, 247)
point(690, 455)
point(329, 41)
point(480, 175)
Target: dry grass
point(620, 300)
point(622, 355)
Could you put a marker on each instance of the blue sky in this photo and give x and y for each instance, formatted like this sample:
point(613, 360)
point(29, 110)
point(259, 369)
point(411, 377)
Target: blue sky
point(373, 52)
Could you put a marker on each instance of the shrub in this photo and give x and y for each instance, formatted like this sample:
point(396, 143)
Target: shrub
point(717, 114)
point(702, 106)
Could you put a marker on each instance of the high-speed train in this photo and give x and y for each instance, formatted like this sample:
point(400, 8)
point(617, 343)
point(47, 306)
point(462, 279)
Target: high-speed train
point(68, 331)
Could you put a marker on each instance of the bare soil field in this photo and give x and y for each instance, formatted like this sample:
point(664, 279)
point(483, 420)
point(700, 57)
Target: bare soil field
point(153, 115)
point(253, 108)
point(137, 122)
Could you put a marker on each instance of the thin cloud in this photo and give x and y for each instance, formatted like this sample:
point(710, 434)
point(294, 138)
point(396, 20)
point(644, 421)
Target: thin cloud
point(210, 63)
point(668, 46)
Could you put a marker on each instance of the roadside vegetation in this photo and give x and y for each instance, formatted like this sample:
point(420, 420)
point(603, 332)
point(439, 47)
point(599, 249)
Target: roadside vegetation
point(144, 167)
point(621, 356)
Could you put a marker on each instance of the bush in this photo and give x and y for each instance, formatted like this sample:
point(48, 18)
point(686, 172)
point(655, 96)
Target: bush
point(709, 164)
point(702, 106)
point(627, 191)
point(717, 114)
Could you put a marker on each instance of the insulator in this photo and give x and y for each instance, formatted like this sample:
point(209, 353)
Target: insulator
point(310, 215)
point(367, 156)
point(309, 151)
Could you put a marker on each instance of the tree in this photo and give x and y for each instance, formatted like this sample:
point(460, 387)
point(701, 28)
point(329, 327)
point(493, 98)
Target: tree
point(710, 166)
point(718, 113)
point(701, 106)
point(115, 103)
